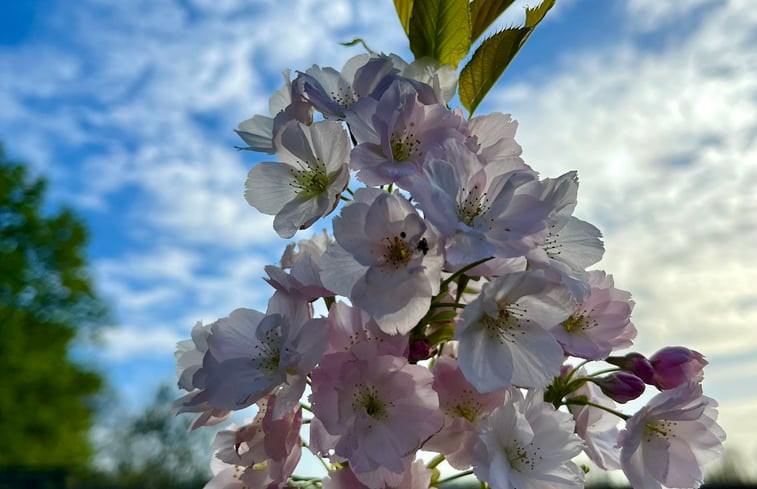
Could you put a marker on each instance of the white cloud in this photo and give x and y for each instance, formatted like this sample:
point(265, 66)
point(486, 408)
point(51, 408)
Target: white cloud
point(126, 342)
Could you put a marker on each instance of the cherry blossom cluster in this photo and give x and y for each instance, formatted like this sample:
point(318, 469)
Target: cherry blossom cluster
point(461, 318)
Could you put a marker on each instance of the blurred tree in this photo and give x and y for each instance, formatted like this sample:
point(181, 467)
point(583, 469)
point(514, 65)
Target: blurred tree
point(152, 449)
point(46, 299)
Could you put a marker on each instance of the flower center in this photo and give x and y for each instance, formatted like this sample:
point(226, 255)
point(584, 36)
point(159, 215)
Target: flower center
point(367, 399)
point(521, 457)
point(311, 178)
point(508, 324)
point(580, 322)
point(344, 96)
point(404, 146)
point(399, 252)
point(660, 429)
point(472, 206)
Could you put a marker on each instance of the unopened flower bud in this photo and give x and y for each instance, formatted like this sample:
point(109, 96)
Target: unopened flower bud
point(621, 386)
point(419, 350)
point(637, 364)
point(675, 365)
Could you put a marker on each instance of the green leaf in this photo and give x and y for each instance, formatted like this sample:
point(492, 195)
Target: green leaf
point(494, 55)
point(487, 65)
point(440, 29)
point(404, 10)
point(483, 13)
point(536, 14)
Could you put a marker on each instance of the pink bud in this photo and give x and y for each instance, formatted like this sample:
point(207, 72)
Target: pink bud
point(621, 386)
point(419, 350)
point(637, 364)
point(676, 365)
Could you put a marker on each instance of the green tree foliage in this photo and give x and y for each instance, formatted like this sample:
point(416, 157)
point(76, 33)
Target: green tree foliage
point(46, 299)
point(152, 449)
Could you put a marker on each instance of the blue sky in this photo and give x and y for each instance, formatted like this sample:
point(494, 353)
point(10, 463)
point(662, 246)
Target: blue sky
point(128, 108)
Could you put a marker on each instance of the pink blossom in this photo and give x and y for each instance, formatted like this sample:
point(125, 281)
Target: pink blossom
point(377, 409)
point(676, 365)
point(503, 334)
point(260, 132)
point(251, 355)
point(386, 259)
point(264, 452)
point(304, 277)
point(495, 136)
point(333, 93)
point(480, 210)
point(527, 444)
point(394, 133)
point(463, 408)
point(350, 327)
point(668, 441)
point(599, 324)
point(571, 245)
point(596, 427)
point(416, 476)
point(305, 185)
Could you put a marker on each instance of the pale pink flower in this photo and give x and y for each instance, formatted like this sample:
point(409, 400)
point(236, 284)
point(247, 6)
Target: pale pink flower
point(416, 476)
point(304, 265)
point(379, 409)
point(263, 453)
point(305, 185)
point(441, 78)
point(597, 428)
point(527, 444)
point(599, 324)
point(503, 334)
point(333, 93)
point(394, 133)
point(350, 327)
point(189, 359)
point(463, 409)
point(495, 136)
point(259, 131)
point(385, 259)
point(676, 365)
point(189, 354)
point(251, 355)
point(480, 211)
point(668, 441)
point(571, 245)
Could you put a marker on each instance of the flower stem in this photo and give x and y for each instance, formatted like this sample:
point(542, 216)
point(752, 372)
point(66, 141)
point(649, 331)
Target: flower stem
point(453, 477)
point(448, 304)
point(454, 276)
point(435, 461)
point(325, 465)
point(576, 402)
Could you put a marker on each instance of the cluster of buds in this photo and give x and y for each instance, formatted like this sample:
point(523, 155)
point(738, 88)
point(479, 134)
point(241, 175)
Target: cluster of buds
point(460, 311)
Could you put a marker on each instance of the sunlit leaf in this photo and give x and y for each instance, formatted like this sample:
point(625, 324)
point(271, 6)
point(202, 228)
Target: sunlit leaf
point(483, 13)
point(493, 56)
point(440, 29)
point(534, 15)
point(404, 10)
